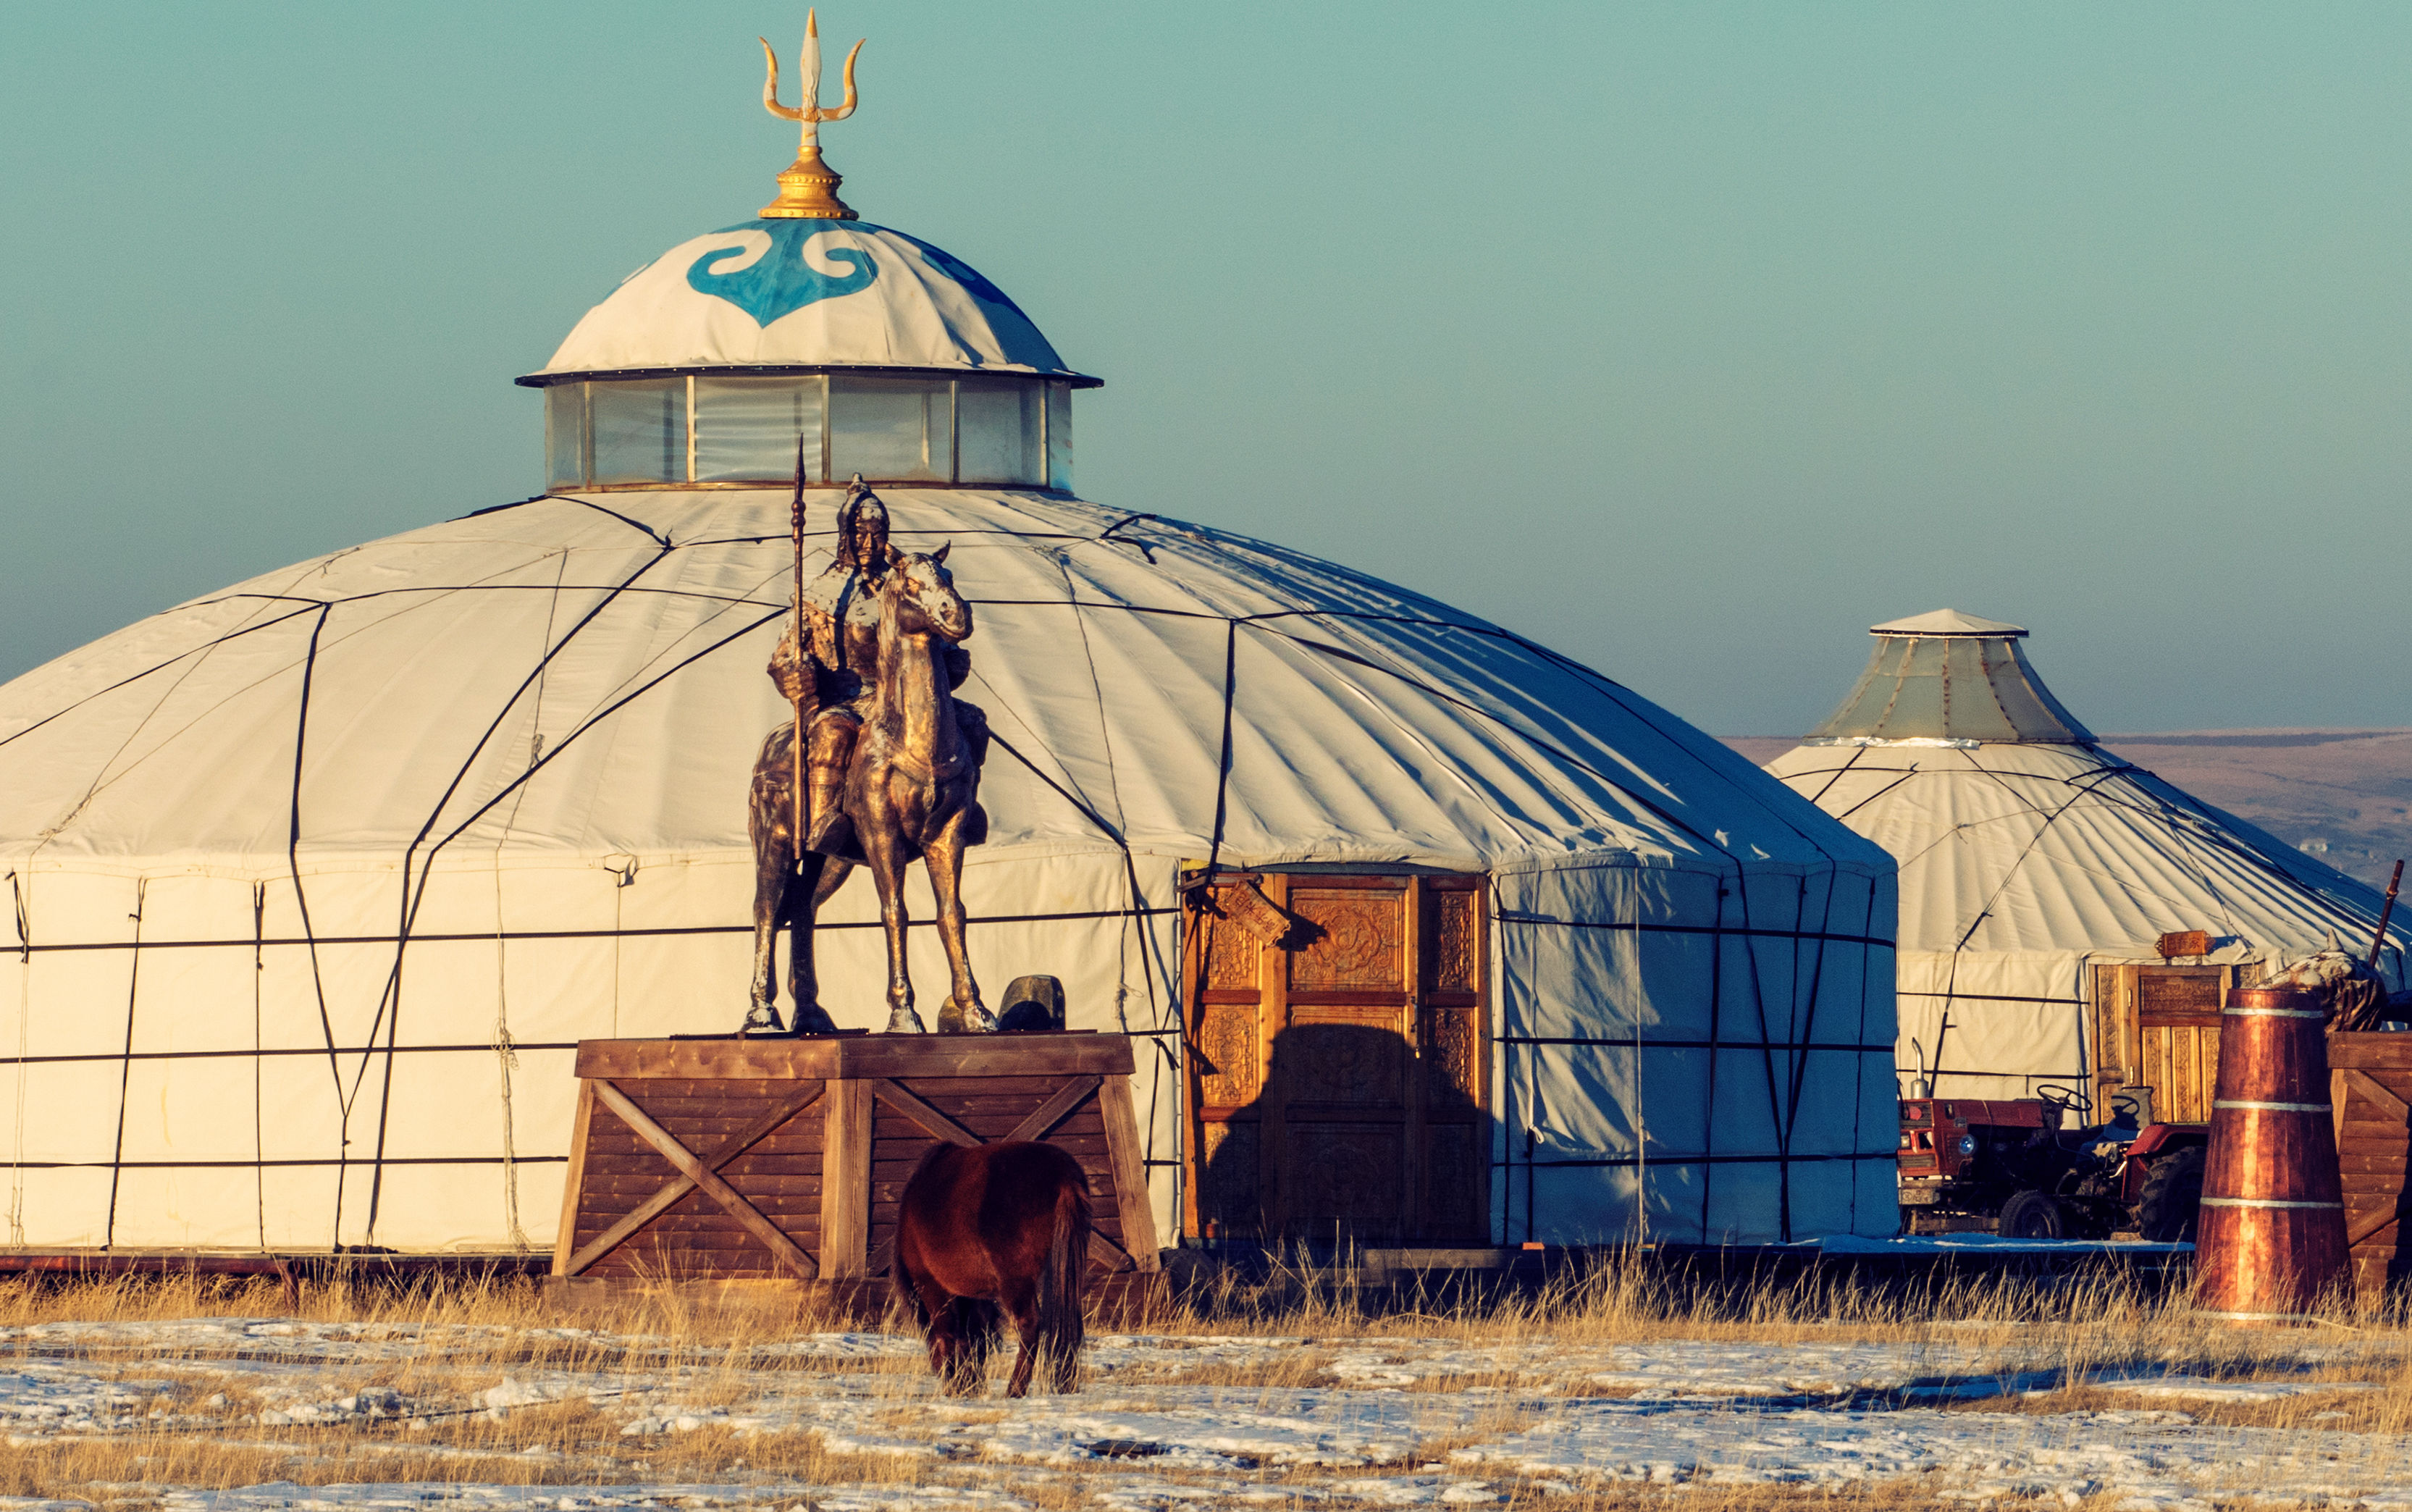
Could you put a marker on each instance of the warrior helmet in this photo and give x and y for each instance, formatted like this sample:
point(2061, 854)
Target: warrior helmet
point(860, 505)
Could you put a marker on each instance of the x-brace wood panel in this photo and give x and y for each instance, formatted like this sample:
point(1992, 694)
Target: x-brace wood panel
point(676, 1191)
point(698, 1173)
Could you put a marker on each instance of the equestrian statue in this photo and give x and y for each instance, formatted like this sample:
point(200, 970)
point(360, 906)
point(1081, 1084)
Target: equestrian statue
point(890, 760)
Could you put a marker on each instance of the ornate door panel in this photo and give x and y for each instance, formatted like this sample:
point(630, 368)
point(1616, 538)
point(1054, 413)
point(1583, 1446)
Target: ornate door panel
point(1451, 1035)
point(2160, 1028)
point(1336, 1051)
point(1227, 1066)
point(1341, 1063)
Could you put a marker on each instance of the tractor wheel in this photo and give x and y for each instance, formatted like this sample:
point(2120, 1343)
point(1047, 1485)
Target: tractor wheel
point(2172, 1194)
point(2033, 1215)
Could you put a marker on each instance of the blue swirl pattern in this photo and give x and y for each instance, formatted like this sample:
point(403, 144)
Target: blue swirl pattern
point(780, 281)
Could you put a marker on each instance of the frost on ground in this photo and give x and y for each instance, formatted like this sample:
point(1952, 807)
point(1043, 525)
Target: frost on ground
point(1166, 1422)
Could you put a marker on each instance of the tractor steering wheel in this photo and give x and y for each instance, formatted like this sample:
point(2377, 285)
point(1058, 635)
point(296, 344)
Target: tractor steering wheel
point(2067, 1100)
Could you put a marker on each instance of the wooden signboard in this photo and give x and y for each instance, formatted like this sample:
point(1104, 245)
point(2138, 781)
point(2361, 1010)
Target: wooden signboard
point(1337, 1035)
point(2370, 1084)
point(715, 1160)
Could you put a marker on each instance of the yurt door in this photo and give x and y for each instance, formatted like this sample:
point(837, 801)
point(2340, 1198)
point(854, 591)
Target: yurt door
point(2160, 1028)
point(1336, 1034)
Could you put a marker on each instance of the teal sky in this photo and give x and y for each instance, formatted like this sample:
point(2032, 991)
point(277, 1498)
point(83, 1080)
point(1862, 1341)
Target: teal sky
point(1689, 338)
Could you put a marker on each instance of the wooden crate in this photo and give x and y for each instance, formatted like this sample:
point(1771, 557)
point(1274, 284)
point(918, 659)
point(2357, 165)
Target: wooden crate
point(2370, 1086)
point(717, 1161)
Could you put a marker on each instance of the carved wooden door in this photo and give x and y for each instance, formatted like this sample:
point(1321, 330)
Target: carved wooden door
point(2160, 1028)
point(1336, 1053)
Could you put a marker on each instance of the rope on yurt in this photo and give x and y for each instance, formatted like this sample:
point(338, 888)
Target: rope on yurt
point(1717, 1050)
point(1775, 1118)
point(2203, 828)
point(1144, 550)
point(202, 649)
point(258, 1043)
point(1223, 762)
point(293, 869)
point(24, 1040)
point(1859, 1083)
point(388, 1014)
point(639, 525)
point(1836, 775)
point(1158, 1030)
point(1803, 1030)
point(125, 1067)
point(2083, 789)
point(506, 1051)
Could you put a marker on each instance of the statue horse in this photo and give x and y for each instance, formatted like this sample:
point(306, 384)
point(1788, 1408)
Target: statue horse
point(984, 1229)
point(912, 790)
point(912, 787)
point(787, 895)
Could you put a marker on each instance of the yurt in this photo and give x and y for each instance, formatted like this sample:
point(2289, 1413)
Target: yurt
point(2066, 918)
point(316, 883)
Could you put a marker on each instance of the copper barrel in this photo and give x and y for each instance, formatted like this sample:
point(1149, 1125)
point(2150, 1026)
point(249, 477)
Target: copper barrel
point(2271, 1238)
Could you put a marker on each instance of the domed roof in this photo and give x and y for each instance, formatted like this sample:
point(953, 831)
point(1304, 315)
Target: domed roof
point(1363, 722)
point(392, 831)
point(806, 293)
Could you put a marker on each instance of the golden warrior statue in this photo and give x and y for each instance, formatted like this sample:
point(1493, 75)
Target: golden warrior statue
point(841, 620)
point(833, 682)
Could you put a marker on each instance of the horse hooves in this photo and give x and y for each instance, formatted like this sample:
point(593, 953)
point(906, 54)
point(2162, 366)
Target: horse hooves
point(815, 1019)
point(956, 1021)
point(762, 1020)
point(906, 1022)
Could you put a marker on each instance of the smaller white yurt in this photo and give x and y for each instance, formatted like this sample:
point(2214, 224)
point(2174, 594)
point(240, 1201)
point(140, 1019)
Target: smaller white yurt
point(2050, 892)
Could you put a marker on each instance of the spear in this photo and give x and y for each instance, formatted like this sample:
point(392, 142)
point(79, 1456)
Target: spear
point(796, 738)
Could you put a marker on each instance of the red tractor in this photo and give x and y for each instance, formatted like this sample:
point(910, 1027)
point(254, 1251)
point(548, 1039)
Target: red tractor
point(2026, 1165)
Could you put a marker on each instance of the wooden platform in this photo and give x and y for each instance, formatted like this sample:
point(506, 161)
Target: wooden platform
point(717, 1162)
point(2369, 1085)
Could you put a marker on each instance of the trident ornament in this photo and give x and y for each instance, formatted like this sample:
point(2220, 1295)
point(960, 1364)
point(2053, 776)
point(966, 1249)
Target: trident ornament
point(808, 190)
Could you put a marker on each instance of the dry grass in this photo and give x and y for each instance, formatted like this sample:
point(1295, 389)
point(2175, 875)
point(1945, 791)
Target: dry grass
point(2068, 1330)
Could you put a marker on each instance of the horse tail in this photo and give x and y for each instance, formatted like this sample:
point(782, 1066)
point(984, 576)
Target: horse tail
point(900, 1280)
point(1060, 1323)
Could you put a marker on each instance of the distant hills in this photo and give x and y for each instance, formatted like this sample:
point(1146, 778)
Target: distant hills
point(2342, 795)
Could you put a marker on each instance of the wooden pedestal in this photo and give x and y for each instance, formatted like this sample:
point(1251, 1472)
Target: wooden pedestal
point(708, 1162)
point(2370, 1084)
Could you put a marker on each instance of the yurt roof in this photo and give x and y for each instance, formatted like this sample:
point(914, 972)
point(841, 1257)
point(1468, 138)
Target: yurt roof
point(1946, 677)
point(562, 677)
point(1945, 622)
point(2018, 847)
point(804, 294)
point(2039, 841)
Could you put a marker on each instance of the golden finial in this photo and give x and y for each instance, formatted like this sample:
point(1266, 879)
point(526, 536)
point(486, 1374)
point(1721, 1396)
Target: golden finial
point(808, 190)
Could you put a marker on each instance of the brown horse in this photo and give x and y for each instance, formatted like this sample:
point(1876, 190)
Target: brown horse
point(984, 1228)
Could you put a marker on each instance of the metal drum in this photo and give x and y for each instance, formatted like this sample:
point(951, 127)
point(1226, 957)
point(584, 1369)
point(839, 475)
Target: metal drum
point(2271, 1238)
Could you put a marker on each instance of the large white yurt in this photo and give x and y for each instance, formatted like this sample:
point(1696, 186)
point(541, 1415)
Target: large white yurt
point(2050, 892)
point(316, 883)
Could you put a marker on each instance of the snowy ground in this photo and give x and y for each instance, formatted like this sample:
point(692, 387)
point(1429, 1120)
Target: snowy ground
point(1178, 1421)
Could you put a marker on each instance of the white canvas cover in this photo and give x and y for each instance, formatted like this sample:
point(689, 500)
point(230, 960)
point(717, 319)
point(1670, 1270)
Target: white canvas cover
point(771, 293)
point(315, 882)
point(2023, 864)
